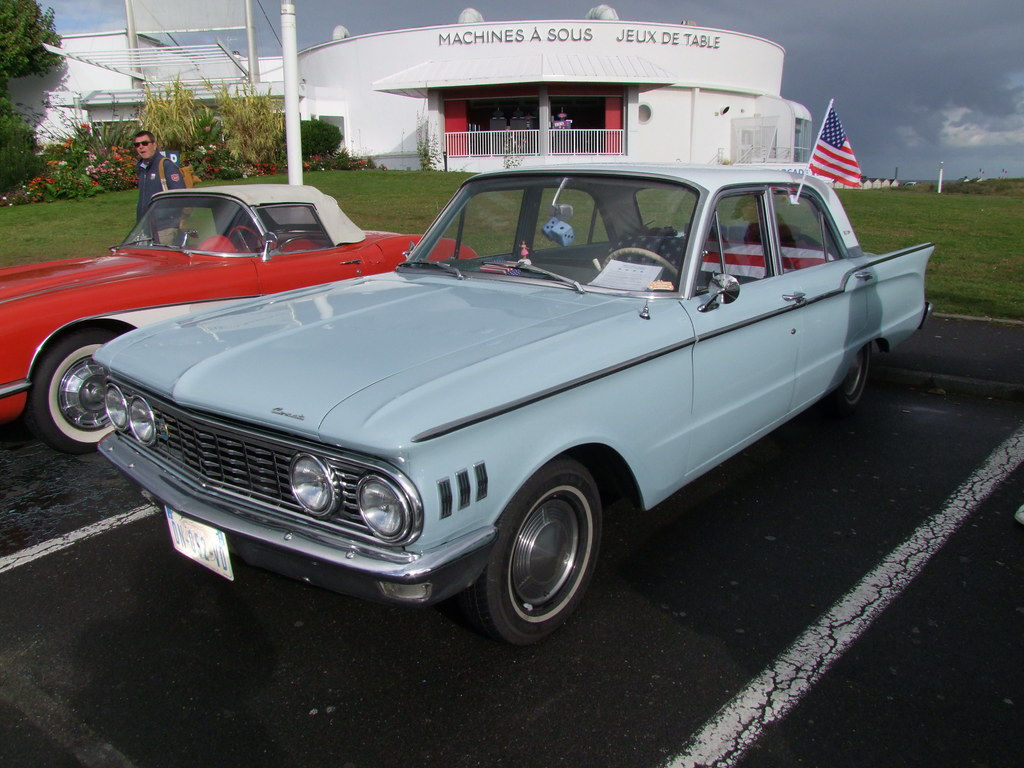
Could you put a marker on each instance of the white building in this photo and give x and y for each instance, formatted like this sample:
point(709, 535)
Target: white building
point(103, 79)
point(478, 95)
point(491, 93)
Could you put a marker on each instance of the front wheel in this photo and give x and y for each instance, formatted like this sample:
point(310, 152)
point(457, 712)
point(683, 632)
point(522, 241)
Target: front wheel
point(543, 559)
point(843, 400)
point(65, 405)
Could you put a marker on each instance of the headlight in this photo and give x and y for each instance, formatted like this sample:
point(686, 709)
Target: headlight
point(312, 484)
point(141, 421)
point(117, 407)
point(383, 508)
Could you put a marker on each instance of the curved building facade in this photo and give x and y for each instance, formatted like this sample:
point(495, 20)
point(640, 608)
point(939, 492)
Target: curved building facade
point(482, 95)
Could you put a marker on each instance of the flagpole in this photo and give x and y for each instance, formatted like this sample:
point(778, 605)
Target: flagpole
point(794, 199)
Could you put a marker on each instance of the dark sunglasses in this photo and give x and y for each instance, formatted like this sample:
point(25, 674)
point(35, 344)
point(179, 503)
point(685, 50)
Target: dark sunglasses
point(143, 143)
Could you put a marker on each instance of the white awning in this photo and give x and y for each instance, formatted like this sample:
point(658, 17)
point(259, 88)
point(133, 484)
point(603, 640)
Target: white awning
point(138, 95)
point(538, 68)
point(164, 64)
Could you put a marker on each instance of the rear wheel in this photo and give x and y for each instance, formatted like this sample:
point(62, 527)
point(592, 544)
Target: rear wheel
point(843, 400)
point(65, 405)
point(548, 538)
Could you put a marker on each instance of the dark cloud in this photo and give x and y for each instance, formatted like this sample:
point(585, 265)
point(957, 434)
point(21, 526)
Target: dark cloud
point(916, 82)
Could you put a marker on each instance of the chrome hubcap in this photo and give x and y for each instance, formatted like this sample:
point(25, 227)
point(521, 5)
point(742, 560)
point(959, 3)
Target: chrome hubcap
point(545, 553)
point(853, 376)
point(80, 395)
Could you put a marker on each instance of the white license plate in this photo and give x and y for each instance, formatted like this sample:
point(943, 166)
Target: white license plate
point(203, 543)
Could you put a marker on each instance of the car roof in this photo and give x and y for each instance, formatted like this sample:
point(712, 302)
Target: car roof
point(710, 177)
point(340, 227)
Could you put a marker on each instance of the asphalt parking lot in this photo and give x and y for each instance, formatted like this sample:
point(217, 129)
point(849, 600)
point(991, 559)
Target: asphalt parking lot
point(114, 650)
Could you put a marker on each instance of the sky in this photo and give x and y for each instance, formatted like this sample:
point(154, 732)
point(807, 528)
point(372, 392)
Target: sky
point(916, 83)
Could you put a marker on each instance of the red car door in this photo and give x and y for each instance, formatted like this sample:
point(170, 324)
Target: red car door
point(286, 269)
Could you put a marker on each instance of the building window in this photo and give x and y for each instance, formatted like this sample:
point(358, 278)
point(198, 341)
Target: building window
point(802, 141)
point(645, 114)
point(498, 114)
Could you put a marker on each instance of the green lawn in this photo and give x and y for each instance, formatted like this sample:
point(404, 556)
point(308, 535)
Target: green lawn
point(978, 265)
point(977, 269)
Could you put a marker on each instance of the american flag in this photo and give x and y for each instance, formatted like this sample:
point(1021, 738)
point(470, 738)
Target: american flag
point(833, 156)
point(501, 267)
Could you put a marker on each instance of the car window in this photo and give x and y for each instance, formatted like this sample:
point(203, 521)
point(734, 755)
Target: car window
point(581, 230)
point(805, 239)
point(735, 243)
point(662, 207)
point(207, 223)
point(296, 227)
point(570, 205)
point(485, 226)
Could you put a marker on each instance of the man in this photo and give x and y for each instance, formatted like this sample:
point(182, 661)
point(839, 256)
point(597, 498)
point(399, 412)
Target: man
point(151, 179)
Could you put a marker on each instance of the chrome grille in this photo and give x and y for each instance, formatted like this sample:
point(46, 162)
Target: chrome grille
point(250, 464)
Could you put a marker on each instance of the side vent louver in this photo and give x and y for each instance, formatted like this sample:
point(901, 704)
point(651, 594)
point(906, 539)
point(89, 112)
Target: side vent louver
point(481, 480)
point(444, 491)
point(464, 486)
point(462, 478)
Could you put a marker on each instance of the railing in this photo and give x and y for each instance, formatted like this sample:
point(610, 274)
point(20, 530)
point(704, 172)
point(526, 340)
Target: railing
point(490, 143)
point(750, 154)
point(562, 141)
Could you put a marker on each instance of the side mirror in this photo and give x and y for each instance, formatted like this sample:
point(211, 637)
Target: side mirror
point(724, 289)
point(270, 243)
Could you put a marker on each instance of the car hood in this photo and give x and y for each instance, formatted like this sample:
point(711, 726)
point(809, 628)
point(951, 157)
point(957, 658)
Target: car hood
point(72, 274)
point(372, 363)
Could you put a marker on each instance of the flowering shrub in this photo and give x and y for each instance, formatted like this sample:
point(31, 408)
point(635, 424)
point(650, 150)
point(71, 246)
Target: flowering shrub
point(337, 161)
point(262, 169)
point(214, 161)
point(96, 159)
point(113, 170)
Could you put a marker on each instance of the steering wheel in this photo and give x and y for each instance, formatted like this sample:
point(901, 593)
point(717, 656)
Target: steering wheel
point(302, 242)
point(245, 238)
point(631, 250)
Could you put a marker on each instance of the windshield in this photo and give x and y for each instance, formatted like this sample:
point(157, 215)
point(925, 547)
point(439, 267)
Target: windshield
point(198, 223)
point(591, 231)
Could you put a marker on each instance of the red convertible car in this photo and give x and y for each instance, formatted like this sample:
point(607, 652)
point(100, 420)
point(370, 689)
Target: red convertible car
point(192, 249)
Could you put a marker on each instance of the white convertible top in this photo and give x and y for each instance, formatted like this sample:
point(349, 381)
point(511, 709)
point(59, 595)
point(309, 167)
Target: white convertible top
point(340, 227)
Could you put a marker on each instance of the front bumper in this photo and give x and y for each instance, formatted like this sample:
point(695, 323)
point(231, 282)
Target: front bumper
point(325, 560)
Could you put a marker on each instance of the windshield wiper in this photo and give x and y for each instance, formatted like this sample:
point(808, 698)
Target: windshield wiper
point(526, 266)
point(442, 265)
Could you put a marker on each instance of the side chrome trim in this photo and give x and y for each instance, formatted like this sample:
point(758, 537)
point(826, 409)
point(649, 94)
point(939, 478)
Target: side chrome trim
point(881, 260)
point(498, 410)
point(754, 320)
point(15, 387)
point(476, 418)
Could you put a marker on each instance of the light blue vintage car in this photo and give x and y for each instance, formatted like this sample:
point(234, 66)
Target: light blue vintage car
point(560, 337)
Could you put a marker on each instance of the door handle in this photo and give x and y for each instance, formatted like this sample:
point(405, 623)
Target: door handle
point(797, 297)
point(863, 275)
point(350, 261)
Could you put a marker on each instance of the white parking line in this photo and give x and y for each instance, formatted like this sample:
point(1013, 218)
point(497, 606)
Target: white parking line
point(26, 556)
point(773, 693)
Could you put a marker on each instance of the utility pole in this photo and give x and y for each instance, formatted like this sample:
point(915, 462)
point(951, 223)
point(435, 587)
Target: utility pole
point(289, 52)
point(250, 34)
